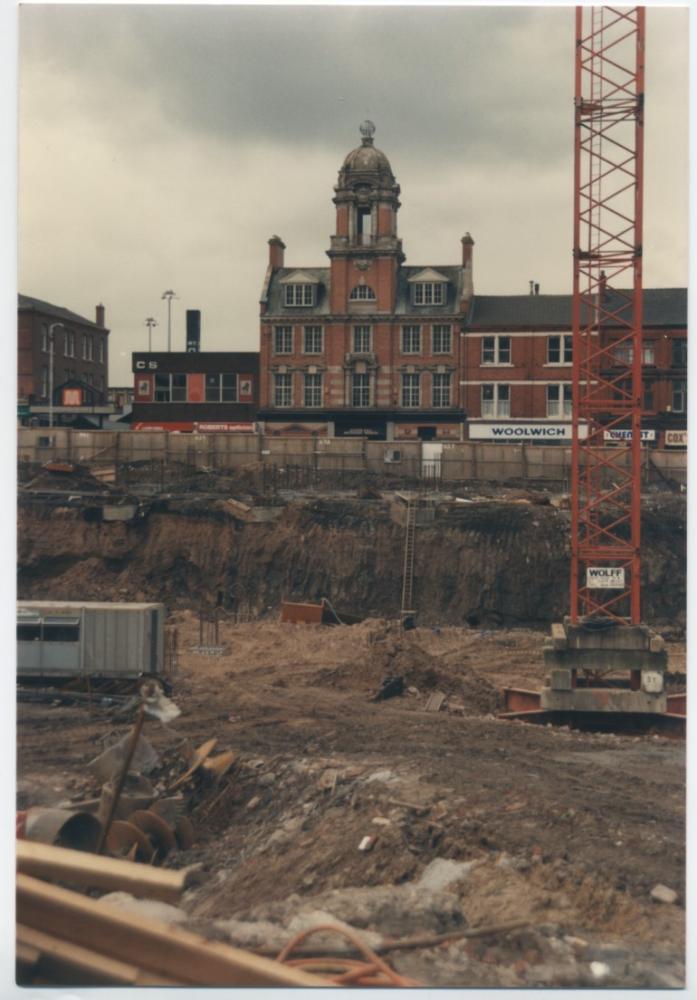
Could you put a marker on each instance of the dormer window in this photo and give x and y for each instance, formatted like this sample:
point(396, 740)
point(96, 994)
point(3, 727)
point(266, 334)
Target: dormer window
point(428, 288)
point(300, 295)
point(428, 293)
point(362, 293)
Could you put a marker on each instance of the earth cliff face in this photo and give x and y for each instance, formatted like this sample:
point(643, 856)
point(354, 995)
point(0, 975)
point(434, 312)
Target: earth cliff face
point(483, 563)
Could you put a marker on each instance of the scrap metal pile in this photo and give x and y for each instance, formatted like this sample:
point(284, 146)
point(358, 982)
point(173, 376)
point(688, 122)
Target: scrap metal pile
point(116, 842)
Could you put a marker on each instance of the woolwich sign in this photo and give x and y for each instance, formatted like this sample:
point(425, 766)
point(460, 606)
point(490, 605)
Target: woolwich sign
point(505, 431)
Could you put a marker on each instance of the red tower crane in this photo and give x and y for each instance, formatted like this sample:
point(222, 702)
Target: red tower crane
point(607, 295)
point(603, 662)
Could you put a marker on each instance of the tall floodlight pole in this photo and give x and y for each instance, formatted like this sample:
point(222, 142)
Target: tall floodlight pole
point(150, 323)
point(169, 295)
point(52, 327)
point(607, 314)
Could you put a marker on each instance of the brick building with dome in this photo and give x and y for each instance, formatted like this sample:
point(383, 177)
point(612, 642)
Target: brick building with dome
point(366, 346)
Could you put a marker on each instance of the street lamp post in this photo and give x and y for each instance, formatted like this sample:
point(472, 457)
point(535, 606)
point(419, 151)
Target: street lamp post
point(169, 295)
point(52, 327)
point(150, 323)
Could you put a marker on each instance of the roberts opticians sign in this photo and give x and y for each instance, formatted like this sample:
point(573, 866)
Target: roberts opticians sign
point(523, 432)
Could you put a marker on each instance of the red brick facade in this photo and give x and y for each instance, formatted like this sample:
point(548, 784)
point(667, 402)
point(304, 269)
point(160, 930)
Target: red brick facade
point(80, 351)
point(375, 346)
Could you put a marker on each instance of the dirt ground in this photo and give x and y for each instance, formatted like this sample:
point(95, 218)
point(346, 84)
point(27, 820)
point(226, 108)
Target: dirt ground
point(568, 831)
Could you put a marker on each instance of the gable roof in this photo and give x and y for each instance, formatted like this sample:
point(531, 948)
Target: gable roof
point(299, 277)
point(428, 274)
point(27, 302)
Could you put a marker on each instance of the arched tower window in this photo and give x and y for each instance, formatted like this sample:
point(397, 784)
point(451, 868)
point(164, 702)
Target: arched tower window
point(362, 293)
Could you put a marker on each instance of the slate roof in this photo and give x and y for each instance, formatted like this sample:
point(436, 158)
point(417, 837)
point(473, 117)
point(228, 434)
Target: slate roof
point(276, 294)
point(662, 307)
point(38, 305)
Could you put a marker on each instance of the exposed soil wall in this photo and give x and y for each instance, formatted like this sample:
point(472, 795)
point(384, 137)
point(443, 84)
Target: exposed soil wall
point(485, 563)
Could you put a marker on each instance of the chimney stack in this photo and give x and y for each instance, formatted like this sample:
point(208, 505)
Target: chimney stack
point(603, 286)
point(276, 248)
point(467, 279)
point(467, 244)
point(193, 331)
point(99, 312)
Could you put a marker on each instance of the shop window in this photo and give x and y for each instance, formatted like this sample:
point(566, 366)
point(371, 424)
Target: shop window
point(496, 400)
point(162, 388)
point(221, 388)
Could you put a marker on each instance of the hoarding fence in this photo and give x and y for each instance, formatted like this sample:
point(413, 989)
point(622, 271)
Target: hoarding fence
point(159, 461)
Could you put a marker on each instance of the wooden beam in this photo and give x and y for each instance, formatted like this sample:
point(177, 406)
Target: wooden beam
point(95, 871)
point(61, 961)
point(156, 947)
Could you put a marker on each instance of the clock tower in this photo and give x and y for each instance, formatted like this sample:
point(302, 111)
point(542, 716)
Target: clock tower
point(365, 251)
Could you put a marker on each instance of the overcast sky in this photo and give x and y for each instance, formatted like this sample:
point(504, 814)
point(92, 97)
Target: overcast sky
point(160, 147)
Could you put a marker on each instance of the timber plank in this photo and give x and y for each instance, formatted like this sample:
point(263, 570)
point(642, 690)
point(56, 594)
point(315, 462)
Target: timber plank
point(153, 946)
point(70, 964)
point(98, 872)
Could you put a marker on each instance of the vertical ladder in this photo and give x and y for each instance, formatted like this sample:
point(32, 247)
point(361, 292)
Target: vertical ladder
point(408, 572)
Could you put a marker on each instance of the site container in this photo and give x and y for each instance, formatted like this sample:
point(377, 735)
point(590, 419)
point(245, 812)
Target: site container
point(79, 638)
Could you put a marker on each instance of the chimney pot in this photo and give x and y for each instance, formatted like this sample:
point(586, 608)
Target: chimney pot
point(276, 248)
point(99, 315)
point(532, 287)
point(537, 289)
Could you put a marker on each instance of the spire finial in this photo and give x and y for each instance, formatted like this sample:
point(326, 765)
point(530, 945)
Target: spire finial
point(367, 130)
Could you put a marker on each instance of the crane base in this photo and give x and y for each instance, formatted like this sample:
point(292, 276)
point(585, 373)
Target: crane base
point(602, 676)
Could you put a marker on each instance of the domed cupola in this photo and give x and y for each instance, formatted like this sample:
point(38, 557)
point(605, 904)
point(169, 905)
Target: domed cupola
point(367, 197)
point(366, 164)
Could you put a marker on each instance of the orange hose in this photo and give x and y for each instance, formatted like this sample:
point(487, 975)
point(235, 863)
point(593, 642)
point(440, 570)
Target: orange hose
point(371, 972)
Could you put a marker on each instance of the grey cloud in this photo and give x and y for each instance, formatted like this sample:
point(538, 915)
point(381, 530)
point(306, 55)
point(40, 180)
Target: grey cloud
point(464, 80)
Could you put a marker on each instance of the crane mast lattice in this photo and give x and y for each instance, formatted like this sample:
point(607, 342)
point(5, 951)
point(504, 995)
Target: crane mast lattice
point(607, 313)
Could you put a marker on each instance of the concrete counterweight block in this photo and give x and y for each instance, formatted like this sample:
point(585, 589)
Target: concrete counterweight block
point(575, 653)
